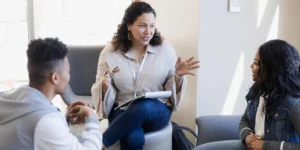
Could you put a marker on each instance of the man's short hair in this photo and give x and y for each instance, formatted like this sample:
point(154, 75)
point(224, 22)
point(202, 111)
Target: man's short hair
point(44, 57)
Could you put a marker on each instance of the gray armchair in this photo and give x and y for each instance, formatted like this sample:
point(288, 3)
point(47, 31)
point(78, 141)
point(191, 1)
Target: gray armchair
point(83, 64)
point(217, 128)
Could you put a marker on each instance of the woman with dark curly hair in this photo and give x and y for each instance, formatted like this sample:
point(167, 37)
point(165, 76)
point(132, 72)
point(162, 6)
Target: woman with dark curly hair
point(272, 118)
point(138, 60)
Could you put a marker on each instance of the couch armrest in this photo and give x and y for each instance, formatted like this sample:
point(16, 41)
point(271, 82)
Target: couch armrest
point(69, 97)
point(217, 128)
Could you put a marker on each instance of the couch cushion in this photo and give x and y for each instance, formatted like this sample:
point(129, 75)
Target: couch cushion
point(222, 145)
point(217, 128)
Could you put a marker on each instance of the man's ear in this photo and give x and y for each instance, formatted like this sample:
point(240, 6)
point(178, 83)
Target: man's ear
point(54, 77)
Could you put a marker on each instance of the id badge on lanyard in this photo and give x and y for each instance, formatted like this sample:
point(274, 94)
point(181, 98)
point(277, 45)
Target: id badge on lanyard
point(136, 77)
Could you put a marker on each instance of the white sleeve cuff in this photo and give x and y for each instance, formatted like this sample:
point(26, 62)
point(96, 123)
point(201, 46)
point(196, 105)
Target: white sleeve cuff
point(178, 76)
point(92, 123)
point(281, 145)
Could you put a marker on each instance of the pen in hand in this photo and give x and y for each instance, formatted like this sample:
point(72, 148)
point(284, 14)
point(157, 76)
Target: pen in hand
point(112, 70)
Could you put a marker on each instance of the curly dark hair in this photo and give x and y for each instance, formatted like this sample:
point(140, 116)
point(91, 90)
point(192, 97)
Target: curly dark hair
point(279, 73)
point(44, 57)
point(120, 40)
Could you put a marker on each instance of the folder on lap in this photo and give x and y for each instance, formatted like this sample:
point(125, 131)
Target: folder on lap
point(160, 94)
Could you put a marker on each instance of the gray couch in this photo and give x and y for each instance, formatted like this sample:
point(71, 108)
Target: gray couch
point(217, 128)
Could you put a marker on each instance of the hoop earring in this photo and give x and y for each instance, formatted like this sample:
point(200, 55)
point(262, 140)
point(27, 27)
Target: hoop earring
point(129, 36)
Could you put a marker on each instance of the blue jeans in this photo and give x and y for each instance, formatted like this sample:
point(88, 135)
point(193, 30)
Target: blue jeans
point(128, 126)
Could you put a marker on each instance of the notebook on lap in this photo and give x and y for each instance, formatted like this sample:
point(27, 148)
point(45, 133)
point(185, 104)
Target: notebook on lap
point(160, 94)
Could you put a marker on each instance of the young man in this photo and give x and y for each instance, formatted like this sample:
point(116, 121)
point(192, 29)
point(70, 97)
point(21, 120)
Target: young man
point(27, 118)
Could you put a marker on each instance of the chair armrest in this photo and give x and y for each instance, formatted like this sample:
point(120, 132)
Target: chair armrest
point(68, 96)
point(217, 128)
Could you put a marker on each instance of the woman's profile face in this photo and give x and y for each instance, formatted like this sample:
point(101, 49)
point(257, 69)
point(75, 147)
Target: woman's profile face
point(255, 66)
point(143, 29)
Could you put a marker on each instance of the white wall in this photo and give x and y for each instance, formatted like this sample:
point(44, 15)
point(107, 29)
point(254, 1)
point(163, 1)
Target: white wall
point(228, 43)
point(177, 20)
point(289, 23)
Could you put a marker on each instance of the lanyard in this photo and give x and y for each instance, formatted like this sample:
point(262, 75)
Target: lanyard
point(137, 76)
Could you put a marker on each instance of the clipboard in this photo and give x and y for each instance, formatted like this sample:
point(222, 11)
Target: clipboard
point(159, 94)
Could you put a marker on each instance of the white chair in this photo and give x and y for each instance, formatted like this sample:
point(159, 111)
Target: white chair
point(157, 140)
